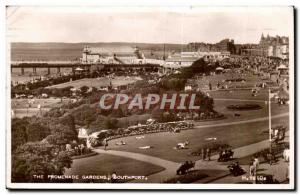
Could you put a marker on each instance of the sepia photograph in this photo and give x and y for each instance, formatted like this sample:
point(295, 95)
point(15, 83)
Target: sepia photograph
point(150, 97)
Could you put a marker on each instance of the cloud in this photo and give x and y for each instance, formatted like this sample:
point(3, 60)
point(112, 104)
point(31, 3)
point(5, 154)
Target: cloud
point(90, 24)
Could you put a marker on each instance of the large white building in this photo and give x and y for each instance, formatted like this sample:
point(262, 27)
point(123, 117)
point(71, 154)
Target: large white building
point(184, 59)
point(129, 55)
point(179, 62)
point(280, 51)
point(207, 55)
point(118, 55)
point(277, 46)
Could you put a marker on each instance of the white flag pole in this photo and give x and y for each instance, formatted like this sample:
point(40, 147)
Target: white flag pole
point(270, 125)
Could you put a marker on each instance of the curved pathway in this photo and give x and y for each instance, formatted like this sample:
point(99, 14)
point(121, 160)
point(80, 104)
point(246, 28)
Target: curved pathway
point(171, 167)
point(238, 100)
point(244, 121)
point(141, 157)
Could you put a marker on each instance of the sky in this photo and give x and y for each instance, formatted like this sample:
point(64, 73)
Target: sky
point(146, 25)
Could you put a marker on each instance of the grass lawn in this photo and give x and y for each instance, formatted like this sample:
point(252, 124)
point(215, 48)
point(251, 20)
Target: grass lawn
point(250, 79)
point(163, 143)
point(23, 112)
point(221, 107)
point(222, 99)
point(240, 94)
point(133, 120)
point(97, 82)
point(45, 103)
point(20, 106)
point(104, 164)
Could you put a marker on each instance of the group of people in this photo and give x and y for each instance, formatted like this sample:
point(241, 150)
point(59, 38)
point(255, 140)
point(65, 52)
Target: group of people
point(206, 154)
point(235, 169)
point(278, 134)
point(185, 167)
point(77, 149)
point(225, 155)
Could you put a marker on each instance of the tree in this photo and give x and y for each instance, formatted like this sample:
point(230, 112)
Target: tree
point(199, 66)
point(55, 112)
point(84, 115)
point(61, 134)
point(36, 132)
point(117, 113)
point(18, 133)
point(37, 158)
point(174, 84)
point(161, 115)
point(94, 90)
point(102, 136)
point(70, 122)
point(84, 90)
point(111, 123)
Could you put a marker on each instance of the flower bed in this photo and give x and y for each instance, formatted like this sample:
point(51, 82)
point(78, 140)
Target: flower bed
point(235, 80)
point(153, 128)
point(210, 118)
point(244, 107)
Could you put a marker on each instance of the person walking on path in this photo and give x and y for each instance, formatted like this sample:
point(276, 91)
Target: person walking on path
point(256, 163)
point(252, 168)
point(208, 153)
point(220, 154)
point(105, 143)
point(203, 153)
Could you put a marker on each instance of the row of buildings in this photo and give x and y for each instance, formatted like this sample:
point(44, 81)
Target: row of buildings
point(135, 56)
point(268, 46)
point(225, 45)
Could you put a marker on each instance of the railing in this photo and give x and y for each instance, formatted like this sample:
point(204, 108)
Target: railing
point(42, 61)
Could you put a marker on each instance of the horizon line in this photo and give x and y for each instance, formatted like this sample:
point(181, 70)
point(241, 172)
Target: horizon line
point(113, 42)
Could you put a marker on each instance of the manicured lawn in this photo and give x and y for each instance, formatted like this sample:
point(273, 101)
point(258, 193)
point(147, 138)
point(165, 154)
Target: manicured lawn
point(133, 120)
point(163, 143)
point(222, 99)
point(250, 79)
point(240, 94)
point(20, 106)
point(221, 107)
point(97, 82)
point(45, 103)
point(104, 164)
point(23, 112)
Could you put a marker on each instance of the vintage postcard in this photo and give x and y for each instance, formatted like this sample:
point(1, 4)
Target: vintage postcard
point(150, 97)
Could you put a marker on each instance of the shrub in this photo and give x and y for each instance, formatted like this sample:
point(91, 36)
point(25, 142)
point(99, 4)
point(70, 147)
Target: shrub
point(244, 107)
point(190, 177)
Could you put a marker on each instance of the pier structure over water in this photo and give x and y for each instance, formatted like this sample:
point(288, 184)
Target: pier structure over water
point(34, 65)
